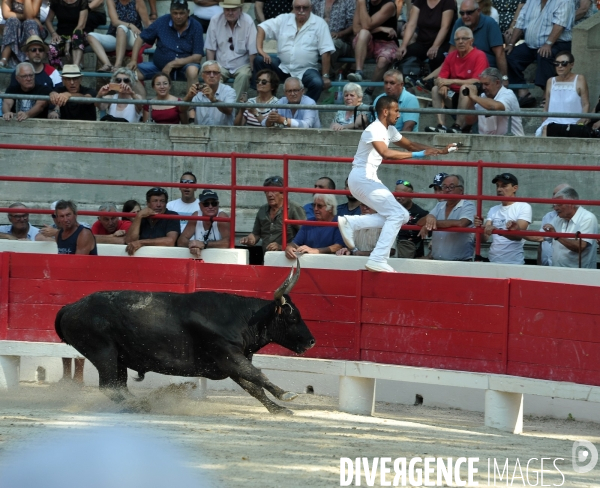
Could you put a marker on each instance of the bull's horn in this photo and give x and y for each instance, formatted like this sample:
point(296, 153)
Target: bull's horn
point(289, 282)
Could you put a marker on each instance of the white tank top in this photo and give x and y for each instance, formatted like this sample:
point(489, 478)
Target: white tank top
point(213, 231)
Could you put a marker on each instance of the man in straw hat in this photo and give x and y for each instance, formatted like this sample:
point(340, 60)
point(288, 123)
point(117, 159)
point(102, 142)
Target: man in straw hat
point(35, 49)
point(231, 40)
point(60, 96)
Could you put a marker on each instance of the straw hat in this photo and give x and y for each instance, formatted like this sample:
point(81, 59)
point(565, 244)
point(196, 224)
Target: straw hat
point(231, 4)
point(34, 40)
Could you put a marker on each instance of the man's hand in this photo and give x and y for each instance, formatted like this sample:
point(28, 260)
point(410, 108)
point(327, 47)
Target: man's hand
point(273, 246)
point(119, 233)
point(401, 52)
point(58, 99)
point(8, 116)
point(443, 91)
point(48, 231)
point(274, 118)
point(545, 51)
point(196, 247)
point(209, 93)
point(192, 92)
point(472, 90)
point(290, 252)
point(441, 82)
point(306, 250)
point(430, 224)
point(132, 247)
point(549, 228)
point(21, 116)
point(132, 65)
point(508, 49)
point(512, 225)
point(343, 252)
point(326, 83)
point(167, 69)
point(53, 115)
point(266, 57)
point(248, 240)
point(146, 212)
point(477, 221)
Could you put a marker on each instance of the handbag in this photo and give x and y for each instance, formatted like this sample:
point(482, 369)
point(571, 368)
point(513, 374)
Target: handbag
point(569, 130)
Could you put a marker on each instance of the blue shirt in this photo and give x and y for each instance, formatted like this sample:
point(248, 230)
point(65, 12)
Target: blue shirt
point(538, 23)
point(309, 211)
point(170, 44)
point(406, 100)
point(344, 210)
point(302, 119)
point(317, 236)
point(486, 36)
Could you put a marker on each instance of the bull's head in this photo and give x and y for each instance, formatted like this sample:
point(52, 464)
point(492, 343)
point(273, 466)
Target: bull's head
point(291, 331)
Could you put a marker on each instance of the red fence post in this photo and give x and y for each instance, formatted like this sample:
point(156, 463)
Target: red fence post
point(233, 200)
point(285, 202)
point(4, 288)
point(479, 205)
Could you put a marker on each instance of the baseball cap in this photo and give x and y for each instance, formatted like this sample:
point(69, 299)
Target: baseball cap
point(437, 179)
point(208, 195)
point(506, 178)
point(53, 205)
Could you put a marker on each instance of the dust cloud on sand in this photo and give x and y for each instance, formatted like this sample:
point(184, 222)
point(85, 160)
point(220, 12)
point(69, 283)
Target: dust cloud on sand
point(231, 439)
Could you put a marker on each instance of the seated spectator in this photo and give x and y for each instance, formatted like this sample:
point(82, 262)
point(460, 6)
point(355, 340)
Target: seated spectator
point(164, 114)
point(49, 232)
point(148, 231)
point(231, 40)
point(35, 50)
point(450, 246)
point(269, 9)
point(72, 88)
point(548, 31)
point(19, 228)
point(110, 229)
point(120, 112)
point(268, 225)
point(566, 92)
point(508, 11)
point(506, 249)
point(365, 240)
point(267, 83)
point(179, 47)
point(351, 118)
point(409, 243)
point(312, 239)
point(393, 86)
point(569, 252)
point(374, 27)
point(301, 38)
point(130, 206)
point(204, 234)
point(188, 204)
point(339, 17)
point(494, 97)
point(23, 109)
point(127, 19)
point(22, 20)
point(323, 183)
point(296, 118)
point(352, 206)
point(68, 36)
point(211, 91)
point(584, 9)
point(460, 68)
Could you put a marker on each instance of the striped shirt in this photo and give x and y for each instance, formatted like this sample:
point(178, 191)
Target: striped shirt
point(538, 23)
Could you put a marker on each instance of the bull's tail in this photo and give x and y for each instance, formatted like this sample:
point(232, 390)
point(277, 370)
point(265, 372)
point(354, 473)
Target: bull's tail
point(141, 375)
point(57, 325)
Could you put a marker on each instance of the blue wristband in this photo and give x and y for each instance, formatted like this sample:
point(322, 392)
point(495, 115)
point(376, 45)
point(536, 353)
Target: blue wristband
point(420, 154)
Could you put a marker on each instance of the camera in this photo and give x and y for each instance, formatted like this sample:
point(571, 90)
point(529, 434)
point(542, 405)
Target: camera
point(478, 86)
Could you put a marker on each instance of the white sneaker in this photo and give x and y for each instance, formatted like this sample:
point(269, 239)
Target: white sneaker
point(379, 267)
point(347, 232)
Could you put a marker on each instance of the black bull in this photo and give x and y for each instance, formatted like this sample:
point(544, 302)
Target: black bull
point(208, 334)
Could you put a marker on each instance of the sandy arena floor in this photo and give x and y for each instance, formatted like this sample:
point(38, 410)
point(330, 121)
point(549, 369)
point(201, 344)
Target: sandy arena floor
point(243, 445)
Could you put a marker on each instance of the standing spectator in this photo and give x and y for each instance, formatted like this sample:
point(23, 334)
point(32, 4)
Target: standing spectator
point(268, 224)
point(179, 47)
point(269, 9)
point(164, 114)
point(205, 10)
point(127, 19)
point(409, 243)
point(351, 118)
point(148, 231)
point(231, 40)
point(509, 215)
point(295, 118)
point(211, 91)
point(450, 246)
point(110, 229)
point(566, 92)
point(547, 25)
point(121, 112)
point(73, 238)
point(494, 98)
point(204, 234)
point(69, 37)
point(23, 20)
point(19, 228)
point(23, 109)
point(312, 239)
point(323, 183)
point(393, 86)
point(569, 252)
point(301, 38)
point(188, 204)
point(374, 26)
point(267, 83)
point(461, 67)
point(35, 51)
point(72, 88)
point(352, 206)
point(339, 15)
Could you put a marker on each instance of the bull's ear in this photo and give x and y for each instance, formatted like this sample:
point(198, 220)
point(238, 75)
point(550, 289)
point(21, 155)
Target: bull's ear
point(289, 283)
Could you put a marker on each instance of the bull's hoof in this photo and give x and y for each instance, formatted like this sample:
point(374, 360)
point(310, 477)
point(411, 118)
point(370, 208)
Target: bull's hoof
point(288, 396)
point(282, 411)
point(138, 405)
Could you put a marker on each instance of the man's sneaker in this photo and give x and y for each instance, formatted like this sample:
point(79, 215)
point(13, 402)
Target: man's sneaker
point(355, 77)
point(409, 81)
point(438, 128)
point(378, 267)
point(455, 129)
point(347, 232)
point(425, 84)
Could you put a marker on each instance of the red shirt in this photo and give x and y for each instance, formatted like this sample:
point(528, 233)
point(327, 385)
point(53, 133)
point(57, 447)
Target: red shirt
point(467, 68)
point(99, 230)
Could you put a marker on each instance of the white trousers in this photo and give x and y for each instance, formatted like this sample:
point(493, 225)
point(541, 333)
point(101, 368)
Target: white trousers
point(109, 43)
point(390, 214)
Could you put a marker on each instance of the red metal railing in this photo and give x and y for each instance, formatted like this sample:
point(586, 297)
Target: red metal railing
point(234, 187)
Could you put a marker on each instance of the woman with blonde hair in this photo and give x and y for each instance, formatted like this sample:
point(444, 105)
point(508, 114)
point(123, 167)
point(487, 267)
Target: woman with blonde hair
point(120, 88)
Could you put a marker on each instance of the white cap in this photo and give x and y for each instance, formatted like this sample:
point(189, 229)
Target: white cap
point(53, 206)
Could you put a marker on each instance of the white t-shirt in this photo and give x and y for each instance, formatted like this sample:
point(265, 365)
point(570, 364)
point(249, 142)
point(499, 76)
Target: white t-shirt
point(504, 250)
point(183, 208)
point(497, 124)
point(366, 156)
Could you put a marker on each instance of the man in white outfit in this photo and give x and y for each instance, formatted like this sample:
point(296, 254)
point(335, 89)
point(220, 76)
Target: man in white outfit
point(366, 187)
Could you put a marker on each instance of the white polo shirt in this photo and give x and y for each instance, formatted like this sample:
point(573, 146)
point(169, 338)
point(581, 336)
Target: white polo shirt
point(498, 124)
point(585, 222)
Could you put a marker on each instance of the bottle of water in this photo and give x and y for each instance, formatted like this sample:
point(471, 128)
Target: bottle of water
point(339, 93)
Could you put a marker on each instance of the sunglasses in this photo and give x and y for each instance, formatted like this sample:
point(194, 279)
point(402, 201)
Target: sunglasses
point(188, 181)
point(230, 41)
point(210, 203)
point(561, 63)
point(158, 189)
point(467, 12)
point(263, 82)
point(179, 2)
point(273, 179)
point(403, 182)
point(36, 50)
point(122, 80)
